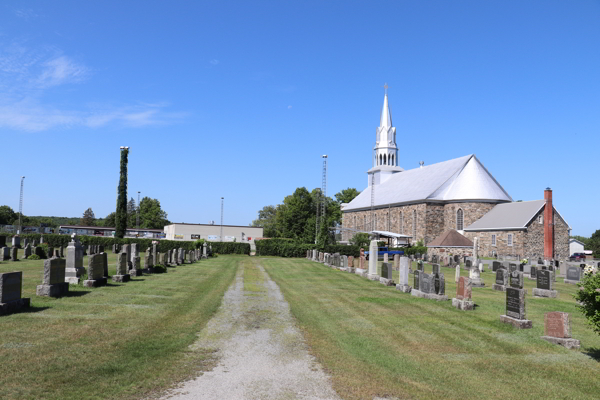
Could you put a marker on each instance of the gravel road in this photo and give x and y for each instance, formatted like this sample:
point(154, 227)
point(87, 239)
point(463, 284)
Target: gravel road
point(262, 355)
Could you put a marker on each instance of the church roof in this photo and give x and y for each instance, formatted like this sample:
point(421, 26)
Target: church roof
point(508, 216)
point(451, 238)
point(463, 178)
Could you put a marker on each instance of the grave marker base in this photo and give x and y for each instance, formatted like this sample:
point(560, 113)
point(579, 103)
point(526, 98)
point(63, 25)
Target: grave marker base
point(430, 296)
point(121, 278)
point(95, 282)
point(373, 277)
point(517, 323)
point(477, 282)
point(465, 305)
point(12, 306)
point(569, 343)
point(135, 272)
point(500, 288)
point(361, 272)
point(72, 280)
point(544, 293)
point(572, 282)
point(56, 290)
point(404, 288)
point(387, 282)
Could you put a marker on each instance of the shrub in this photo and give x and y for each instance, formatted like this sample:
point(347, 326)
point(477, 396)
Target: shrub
point(361, 239)
point(34, 257)
point(159, 269)
point(589, 297)
point(290, 248)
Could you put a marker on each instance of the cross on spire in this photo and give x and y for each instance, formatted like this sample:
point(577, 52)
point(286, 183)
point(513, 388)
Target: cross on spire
point(385, 86)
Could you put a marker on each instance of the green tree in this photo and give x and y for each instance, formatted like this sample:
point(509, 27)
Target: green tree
point(88, 218)
point(266, 219)
point(361, 239)
point(131, 213)
point(294, 213)
point(346, 195)
point(593, 243)
point(7, 215)
point(121, 211)
point(589, 299)
point(152, 215)
point(109, 220)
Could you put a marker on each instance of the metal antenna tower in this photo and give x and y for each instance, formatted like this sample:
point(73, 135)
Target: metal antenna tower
point(324, 189)
point(222, 219)
point(137, 218)
point(21, 204)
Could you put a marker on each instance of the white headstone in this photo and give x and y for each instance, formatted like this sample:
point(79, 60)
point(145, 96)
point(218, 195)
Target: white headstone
point(373, 256)
point(457, 274)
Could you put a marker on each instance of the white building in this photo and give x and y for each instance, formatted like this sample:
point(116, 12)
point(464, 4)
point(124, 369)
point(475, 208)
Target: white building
point(212, 233)
point(575, 246)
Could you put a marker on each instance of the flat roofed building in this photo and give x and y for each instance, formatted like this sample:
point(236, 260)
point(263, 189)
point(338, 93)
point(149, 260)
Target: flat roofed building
point(212, 233)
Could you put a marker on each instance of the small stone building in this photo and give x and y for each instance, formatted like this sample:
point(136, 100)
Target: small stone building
point(518, 229)
point(450, 243)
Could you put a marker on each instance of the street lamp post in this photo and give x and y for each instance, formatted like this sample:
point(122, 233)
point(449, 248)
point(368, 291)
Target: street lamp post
point(222, 198)
point(20, 206)
point(137, 218)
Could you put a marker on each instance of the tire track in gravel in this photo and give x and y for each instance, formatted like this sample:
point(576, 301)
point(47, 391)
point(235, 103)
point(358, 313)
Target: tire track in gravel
point(262, 354)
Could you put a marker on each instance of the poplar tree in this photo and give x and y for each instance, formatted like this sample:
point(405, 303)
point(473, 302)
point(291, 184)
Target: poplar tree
point(121, 212)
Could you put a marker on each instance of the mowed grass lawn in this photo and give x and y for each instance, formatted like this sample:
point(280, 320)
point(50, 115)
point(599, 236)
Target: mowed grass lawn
point(122, 341)
point(377, 341)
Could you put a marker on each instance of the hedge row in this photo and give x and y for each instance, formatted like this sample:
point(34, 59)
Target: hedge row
point(55, 240)
point(289, 248)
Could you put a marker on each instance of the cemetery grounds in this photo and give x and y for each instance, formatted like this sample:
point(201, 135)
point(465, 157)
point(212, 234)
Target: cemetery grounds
point(135, 340)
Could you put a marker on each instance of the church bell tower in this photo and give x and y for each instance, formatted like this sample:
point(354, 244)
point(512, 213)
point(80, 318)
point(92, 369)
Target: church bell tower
point(385, 152)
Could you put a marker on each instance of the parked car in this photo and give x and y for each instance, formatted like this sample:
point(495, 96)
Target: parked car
point(577, 257)
point(382, 250)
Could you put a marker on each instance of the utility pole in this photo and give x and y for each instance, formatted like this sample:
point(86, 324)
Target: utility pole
point(222, 240)
point(321, 200)
point(137, 218)
point(20, 205)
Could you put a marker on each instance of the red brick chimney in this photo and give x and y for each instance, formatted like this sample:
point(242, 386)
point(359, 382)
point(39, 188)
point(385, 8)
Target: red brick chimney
point(548, 225)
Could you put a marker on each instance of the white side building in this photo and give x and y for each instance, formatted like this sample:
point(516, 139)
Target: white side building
point(575, 246)
point(212, 233)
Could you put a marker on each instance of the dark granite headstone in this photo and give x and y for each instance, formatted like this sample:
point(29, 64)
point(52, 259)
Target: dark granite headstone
point(516, 280)
point(512, 267)
point(416, 283)
point(501, 276)
point(434, 258)
point(495, 265)
point(515, 303)
point(468, 264)
point(456, 258)
point(10, 286)
point(544, 280)
point(386, 270)
point(533, 272)
point(573, 273)
point(540, 261)
point(426, 281)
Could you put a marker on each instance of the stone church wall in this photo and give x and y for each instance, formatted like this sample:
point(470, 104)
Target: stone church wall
point(501, 248)
point(535, 237)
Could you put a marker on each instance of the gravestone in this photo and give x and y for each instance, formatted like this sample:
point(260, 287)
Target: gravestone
point(403, 279)
point(468, 264)
point(557, 329)
point(122, 267)
point(463, 301)
point(573, 275)
point(134, 252)
point(104, 257)
point(148, 262)
point(456, 273)
point(27, 251)
point(515, 307)
point(456, 259)
point(475, 250)
point(439, 284)
point(95, 271)
point(2, 241)
point(426, 258)
point(501, 280)
point(350, 263)
point(53, 281)
point(417, 280)
point(50, 252)
point(386, 258)
point(39, 251)
point(430, 286)
point(373, 256)
point(495, 265)
point(544, 285)
point(165, 260)
point(74, 261)
point(540, 261)
point(435, 268)
point(533, 272)
point(11, 284)
point(16, 242)
point(5, 254)
point(386, 274)
point(13, 254)
point(516, 280)
point(57, 253)
point(136, 267)
point(475, 277)
point(512, 267)
point(420, 266)
point(434, 258)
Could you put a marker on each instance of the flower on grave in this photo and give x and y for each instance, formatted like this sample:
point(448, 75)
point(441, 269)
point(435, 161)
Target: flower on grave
point(524, 261)
point(589, 269)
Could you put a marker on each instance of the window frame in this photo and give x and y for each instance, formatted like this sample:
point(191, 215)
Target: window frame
point(462, 220)
point(510, 240)
point(494, 239)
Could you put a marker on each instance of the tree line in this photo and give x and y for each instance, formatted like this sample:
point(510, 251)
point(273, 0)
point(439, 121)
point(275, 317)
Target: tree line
point(296, 217)
point(592, 243)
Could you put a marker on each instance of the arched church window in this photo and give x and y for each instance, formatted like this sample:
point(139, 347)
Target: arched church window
point(459, 220)
point(384, 160)
point(380, 159)
point(414, 227)
point(393, 160)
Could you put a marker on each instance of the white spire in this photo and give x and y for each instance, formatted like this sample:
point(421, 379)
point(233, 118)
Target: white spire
point(386, 115)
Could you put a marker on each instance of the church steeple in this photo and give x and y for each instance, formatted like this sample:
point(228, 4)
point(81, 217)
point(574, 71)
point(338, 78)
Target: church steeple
point(385, 152)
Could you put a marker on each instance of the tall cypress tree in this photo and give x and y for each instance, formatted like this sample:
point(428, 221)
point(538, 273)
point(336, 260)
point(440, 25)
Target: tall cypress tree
point(121, 212)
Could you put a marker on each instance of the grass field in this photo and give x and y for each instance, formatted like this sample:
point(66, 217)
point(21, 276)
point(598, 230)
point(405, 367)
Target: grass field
point(121, 341)
point(377, 341)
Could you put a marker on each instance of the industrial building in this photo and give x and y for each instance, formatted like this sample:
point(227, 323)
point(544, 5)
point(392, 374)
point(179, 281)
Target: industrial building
point(212, 233)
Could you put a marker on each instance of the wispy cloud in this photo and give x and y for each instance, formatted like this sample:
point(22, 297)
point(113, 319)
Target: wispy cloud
point(25, 77)
point(214, 61)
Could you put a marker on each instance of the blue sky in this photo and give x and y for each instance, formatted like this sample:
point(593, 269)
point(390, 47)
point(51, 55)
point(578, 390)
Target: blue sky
point(240, 99)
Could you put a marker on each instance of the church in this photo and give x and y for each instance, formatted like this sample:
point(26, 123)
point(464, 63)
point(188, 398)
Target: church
point(424, 203)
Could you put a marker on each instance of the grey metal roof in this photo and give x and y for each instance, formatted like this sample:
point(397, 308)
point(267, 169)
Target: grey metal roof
point(391, 234)
point(463, 178)
point(508, 216)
